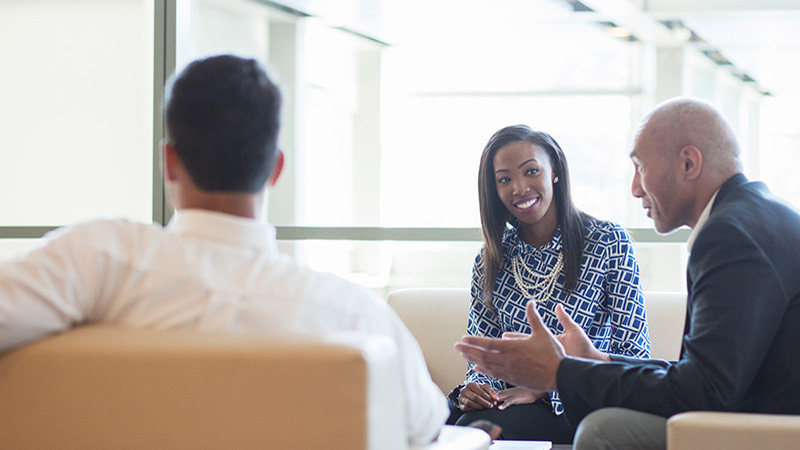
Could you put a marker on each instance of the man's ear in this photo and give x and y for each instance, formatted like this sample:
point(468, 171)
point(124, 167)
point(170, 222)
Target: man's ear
point(171, 161)
point(691, 162)
point(277, 169)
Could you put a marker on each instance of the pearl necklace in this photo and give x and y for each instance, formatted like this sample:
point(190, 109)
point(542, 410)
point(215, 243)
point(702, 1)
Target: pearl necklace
point(541, 290)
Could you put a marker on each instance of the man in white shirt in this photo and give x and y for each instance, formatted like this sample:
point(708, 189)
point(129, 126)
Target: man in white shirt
point(215, 267)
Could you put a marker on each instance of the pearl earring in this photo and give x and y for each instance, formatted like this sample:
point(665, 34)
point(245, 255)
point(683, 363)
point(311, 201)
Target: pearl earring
point(555, 180)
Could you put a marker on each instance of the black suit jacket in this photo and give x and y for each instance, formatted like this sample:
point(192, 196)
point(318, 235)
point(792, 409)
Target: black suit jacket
point(741, 345)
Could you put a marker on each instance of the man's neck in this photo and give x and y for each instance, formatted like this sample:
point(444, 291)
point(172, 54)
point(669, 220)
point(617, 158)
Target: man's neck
point(704, 192)
point(239, 204)
point(701, 220)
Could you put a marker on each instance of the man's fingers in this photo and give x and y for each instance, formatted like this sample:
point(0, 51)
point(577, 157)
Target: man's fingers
point(488, 370)
point(479, 355)
point(490, 356)
point(471, 352)
point(469, 349)
point(513, 335)
point(535, 319)
point(564, 318)
point(486, 344)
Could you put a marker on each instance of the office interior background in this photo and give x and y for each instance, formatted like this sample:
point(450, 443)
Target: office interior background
point(388, 104)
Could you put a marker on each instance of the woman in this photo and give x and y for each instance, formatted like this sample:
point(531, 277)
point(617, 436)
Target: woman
point(539, 247)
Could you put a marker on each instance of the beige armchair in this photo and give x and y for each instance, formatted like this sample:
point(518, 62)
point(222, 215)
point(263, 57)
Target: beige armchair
point(438, 318)
point(732, 431)
point(96, 388)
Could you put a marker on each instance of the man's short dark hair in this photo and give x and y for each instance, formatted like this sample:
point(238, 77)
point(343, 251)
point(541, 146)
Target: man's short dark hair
point(222, 116)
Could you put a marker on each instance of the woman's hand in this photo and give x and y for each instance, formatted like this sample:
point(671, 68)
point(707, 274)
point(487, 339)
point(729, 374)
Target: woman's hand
point(518, 396)
point(476, 396)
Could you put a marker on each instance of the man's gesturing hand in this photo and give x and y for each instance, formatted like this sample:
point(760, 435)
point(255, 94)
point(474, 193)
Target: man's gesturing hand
point(574, 339)
point(529, 361)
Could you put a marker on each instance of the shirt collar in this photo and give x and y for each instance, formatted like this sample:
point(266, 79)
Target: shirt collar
point(519, 246)
point(701, 221)
point(221, 227)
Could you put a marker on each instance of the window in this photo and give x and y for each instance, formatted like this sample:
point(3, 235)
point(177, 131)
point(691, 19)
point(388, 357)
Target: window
point(382, 138)
point(76, 111)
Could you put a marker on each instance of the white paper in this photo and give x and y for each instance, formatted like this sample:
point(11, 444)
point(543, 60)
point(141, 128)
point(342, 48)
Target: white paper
point(521, 445)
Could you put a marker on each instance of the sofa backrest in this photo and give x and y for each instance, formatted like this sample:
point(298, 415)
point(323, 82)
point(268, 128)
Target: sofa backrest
point(666, 314)
point(437, 317)
point(103, 387)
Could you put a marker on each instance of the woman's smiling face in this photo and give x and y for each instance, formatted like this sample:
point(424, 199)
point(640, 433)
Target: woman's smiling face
point(524, 181)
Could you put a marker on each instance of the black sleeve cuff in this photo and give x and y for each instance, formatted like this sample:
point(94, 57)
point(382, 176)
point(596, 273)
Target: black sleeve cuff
point(453, 395)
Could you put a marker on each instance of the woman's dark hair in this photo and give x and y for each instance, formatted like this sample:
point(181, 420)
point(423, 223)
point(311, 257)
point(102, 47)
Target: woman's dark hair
point(495, 216)
point(222, 115)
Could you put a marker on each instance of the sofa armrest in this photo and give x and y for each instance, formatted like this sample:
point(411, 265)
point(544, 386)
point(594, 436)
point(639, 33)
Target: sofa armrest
point(732, 431)
point(386, 419)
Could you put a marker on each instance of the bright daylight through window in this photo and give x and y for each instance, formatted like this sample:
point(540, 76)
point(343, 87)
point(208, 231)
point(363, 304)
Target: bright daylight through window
point(388, 107)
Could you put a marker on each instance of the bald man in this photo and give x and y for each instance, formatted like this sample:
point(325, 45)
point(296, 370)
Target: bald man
point(741, 344)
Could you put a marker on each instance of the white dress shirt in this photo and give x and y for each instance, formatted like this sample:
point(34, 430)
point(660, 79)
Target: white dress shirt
point(205, 271)
point(701, 221)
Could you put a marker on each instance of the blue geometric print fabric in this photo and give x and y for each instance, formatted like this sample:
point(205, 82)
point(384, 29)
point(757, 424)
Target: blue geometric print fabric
point(607, 301)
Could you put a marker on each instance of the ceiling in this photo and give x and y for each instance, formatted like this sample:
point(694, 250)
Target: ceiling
point(759, 38)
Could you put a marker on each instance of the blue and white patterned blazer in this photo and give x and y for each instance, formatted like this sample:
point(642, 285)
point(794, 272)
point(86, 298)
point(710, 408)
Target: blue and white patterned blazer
point(607, 301)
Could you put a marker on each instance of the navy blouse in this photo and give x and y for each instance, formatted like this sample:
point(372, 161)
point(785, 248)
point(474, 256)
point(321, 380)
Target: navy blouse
point(607, 301)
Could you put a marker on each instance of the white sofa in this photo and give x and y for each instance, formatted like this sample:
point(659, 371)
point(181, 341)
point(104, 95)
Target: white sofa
point(438, 318)
point(98, 388)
